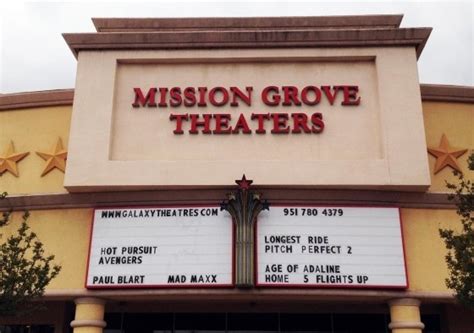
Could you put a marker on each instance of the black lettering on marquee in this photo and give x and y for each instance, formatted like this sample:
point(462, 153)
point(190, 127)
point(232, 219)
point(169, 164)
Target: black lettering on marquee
point(177, 279)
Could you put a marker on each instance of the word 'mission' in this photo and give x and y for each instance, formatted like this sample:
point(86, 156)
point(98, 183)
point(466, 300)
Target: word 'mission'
point(259, 123)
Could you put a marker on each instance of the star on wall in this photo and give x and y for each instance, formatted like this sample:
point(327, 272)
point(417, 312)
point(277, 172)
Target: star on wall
point(446, 155)
point(55, 159)
point(243, 183)
point(9, 159)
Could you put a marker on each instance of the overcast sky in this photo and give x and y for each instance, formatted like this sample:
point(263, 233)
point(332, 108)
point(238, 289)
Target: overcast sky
point(34, 56)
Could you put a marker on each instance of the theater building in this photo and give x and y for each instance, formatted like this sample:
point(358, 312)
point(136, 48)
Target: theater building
point(241, 174)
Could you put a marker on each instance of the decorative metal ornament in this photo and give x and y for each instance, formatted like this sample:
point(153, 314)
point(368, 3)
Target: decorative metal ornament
point(244, 206)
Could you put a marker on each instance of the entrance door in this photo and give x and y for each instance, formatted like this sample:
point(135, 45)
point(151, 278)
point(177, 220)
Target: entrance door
point(255, 322)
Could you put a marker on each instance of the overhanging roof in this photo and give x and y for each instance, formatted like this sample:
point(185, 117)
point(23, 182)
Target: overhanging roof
point(242, 23)
point(232, 33)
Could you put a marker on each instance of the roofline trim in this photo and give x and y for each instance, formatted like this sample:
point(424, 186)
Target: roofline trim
point(248, 39)
point(34, 99)
point(215, 194)
point(447, 93)
point(230, 23)
point(322, 295)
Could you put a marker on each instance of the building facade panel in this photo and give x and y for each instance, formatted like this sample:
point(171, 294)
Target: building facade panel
point(66, 154)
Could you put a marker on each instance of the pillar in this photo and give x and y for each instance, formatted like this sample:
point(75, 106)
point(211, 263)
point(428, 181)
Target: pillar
point(89, 316)
point(405, 316)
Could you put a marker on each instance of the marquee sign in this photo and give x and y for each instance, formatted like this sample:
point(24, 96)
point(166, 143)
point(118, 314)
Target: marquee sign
point(309, 246)
point(296, 246)
point(161, 246)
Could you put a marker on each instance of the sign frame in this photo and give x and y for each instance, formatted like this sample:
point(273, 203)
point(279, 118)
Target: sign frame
point(95, 108)
point(159, 286)
point(329, 286)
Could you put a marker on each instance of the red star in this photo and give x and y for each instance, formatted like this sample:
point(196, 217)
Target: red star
point(244, 184)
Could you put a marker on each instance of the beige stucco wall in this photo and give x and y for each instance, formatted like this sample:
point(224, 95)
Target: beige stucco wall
point(380, 143)
point(37, 129)
point(34, 130)
point(456, 121)
point(65, 234)
point(341, 133)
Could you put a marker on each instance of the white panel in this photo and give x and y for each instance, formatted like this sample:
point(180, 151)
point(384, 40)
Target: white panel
point(330, 246)
point(157, 246)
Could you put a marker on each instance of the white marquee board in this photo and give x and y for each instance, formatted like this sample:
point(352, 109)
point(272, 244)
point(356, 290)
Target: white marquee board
point(330, 247)
point(161, 247)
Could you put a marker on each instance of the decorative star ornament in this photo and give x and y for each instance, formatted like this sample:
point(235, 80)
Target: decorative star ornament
point(446, 155)
point(55, 159)
point(9, 159)
point(243, 183)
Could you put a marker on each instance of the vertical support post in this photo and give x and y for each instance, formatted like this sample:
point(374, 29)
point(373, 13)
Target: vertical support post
point(244, 207)
point(89, 316)
point(405, 316)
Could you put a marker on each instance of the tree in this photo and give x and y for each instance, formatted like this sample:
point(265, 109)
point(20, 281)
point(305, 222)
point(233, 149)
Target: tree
point(460, 257)
point(25, 271)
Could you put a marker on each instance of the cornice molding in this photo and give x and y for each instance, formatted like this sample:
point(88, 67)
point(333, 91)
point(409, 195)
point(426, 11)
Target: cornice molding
point(240, 23)
point(405, 302)
point(198, 295)
point(447, 93)
point(200, 196)
point(35, 99)
point(412, 325)
point(89, 300)
point(271, 38)
point(89, 323)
